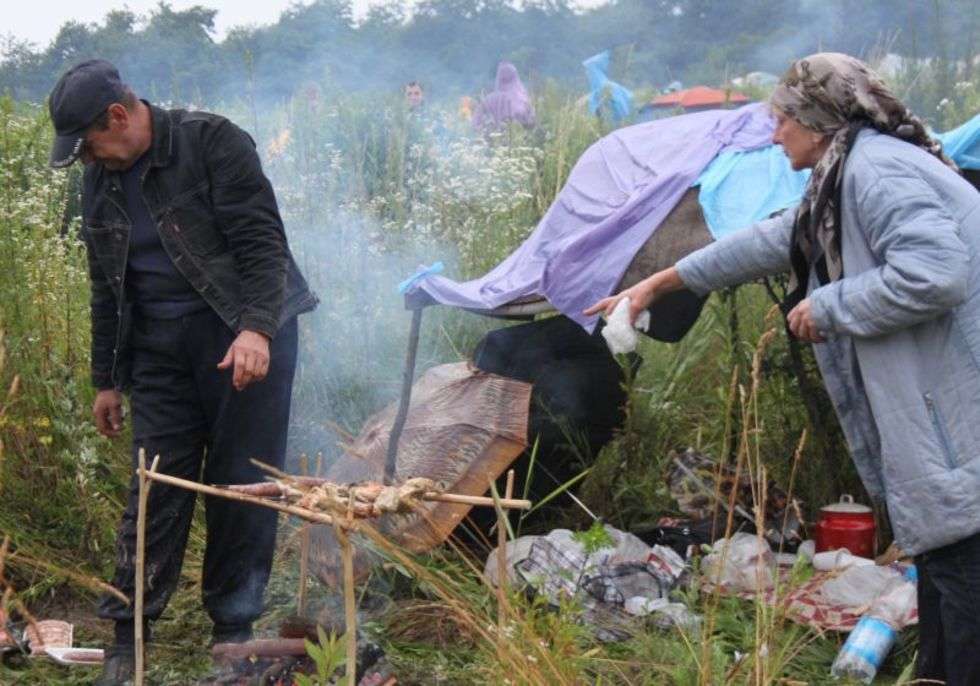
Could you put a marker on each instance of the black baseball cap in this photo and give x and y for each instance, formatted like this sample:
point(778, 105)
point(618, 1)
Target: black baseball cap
point(81, 95)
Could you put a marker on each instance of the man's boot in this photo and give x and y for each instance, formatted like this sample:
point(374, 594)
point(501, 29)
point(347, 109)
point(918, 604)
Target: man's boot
point(119, 664)
point(118, 668)
point(227, 670)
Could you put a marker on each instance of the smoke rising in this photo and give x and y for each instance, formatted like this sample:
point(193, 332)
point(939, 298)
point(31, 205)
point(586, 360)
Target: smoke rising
point(369, 192)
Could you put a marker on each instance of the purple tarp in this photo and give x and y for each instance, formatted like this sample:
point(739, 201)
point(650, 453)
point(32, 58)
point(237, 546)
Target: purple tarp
point(620, 190)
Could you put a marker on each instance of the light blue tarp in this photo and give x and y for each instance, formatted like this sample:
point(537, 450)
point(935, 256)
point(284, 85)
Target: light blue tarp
point(962, 144)
point(742, 187)
point(620, 97)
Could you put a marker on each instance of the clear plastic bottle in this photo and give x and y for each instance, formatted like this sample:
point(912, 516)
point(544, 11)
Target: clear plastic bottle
point(872, 639)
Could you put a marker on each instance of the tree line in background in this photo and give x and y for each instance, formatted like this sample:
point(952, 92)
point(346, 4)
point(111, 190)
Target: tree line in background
point(452, 46)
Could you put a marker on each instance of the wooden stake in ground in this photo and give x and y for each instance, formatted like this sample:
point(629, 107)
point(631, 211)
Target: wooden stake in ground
point(304, 551)
point(502, 553)
point(350, 609)
point(144, 490)
point(304, 568)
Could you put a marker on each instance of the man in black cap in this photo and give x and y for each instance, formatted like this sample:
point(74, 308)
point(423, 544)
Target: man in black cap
point(194, 302)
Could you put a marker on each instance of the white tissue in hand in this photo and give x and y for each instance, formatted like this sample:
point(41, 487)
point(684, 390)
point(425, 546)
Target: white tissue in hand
point(619, 335)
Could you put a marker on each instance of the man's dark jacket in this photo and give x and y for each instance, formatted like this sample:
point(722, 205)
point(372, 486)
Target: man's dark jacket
point(218, 221)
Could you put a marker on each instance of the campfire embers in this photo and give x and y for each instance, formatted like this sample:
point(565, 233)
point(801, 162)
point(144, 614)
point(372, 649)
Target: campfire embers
point(263, 662)
point(276, 661)
point(245, 668)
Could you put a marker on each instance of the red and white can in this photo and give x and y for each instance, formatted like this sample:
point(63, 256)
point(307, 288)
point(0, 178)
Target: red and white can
point(846, 524)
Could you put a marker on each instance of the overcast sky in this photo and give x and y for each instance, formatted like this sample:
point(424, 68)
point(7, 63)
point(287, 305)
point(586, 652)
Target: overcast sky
point(39, 20)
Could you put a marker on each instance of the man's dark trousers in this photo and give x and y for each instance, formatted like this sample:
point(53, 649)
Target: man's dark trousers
point(186, 410)
point(949, 613)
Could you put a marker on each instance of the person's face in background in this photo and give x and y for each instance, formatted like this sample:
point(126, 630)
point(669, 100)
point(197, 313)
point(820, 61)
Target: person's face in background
point(414, 96)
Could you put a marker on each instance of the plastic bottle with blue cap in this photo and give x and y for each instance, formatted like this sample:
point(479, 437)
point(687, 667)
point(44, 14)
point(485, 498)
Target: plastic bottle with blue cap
point(866, 648)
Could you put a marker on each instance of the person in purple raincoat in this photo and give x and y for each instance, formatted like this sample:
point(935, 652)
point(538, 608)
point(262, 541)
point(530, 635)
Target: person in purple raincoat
point(509, 102)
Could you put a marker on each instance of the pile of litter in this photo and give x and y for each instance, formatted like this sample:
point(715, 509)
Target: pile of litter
point(832, 599)
point(615, 577)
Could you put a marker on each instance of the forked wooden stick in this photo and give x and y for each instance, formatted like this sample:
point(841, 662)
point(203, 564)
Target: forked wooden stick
point(502, 554)
point(304, 568)
point(144, 491)
point(304, 550)
point(350, 608)
point(506, 503)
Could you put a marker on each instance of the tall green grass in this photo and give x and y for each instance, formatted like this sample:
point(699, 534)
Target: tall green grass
point(59, 482)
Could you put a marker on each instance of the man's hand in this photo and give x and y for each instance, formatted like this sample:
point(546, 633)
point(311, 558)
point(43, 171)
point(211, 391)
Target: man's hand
point(249, 353)
point(801, 323)
point(108, 412)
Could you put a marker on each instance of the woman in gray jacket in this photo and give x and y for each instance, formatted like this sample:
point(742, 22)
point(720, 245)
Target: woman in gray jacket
point(884, 257)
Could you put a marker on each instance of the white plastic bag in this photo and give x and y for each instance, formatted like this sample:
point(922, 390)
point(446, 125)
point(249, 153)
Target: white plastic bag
point(640, 605)
point(743, 562)
point(896, 601)
point(839, 559)
point(807, 550)
point(858, 586)
point(620, 336)
point(667, 561)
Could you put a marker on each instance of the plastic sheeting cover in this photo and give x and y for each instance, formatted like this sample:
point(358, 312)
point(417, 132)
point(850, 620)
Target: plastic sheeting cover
point(962, 144)
point(742, 187)
point(616, 196)
point(620, 97)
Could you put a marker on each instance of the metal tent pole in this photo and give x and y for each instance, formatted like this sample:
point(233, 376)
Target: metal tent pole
point(408, 378)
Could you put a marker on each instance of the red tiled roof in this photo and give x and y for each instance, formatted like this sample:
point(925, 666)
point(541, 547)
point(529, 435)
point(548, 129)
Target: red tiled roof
point(699, 96)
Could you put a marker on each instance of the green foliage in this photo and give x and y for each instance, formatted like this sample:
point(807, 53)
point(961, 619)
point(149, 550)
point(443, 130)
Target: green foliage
point(53, 461)
point(594, 539)
point(328, 656)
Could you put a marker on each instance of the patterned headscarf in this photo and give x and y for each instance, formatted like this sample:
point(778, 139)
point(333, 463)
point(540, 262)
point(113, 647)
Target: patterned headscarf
point(836, 95)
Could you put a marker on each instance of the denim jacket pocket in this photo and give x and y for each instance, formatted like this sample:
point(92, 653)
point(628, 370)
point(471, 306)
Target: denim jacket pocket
point(109, 242)
point(194, 229)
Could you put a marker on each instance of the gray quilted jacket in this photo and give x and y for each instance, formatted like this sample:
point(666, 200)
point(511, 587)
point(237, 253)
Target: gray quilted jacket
point(902, 359)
